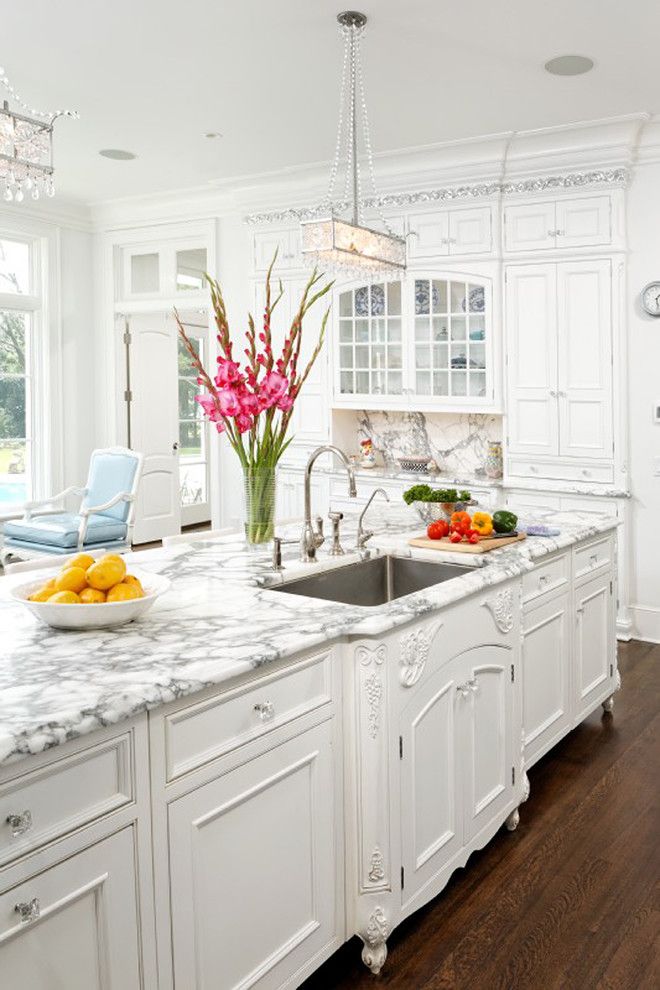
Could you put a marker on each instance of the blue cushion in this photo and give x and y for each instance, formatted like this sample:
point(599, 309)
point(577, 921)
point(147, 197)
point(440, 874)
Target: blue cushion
point(110, 474)
point(61, 530)
point(46, 549)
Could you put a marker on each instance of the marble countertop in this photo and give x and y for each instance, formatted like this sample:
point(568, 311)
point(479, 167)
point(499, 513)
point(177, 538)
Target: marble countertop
point(218, 620)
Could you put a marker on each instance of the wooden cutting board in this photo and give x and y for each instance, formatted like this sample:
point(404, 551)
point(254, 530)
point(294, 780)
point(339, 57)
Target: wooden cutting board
point(483, 546)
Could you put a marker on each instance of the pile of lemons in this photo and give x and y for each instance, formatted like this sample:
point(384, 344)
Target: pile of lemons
point(85, 581)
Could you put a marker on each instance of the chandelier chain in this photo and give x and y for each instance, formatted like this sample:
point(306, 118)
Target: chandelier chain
point(48, 115)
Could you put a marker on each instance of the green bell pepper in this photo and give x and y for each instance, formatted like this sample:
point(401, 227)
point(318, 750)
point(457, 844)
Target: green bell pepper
point(504, 521)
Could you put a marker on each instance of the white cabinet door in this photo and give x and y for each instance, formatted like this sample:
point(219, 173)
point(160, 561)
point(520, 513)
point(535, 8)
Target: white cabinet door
point(532, 359)
point(546, 682)
point(285, 242)
point(470, 231)
point(253, 868)
point(489, 764)
point(311, 414)
point(594, 641)
point(585, 359)
point(432, 820)
point(81, 927)
point(429, 234)
point(529, 226)
point(154, 424)
point(584, 222)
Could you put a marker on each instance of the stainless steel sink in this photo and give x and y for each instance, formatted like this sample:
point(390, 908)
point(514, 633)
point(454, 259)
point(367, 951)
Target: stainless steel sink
point(373, 582)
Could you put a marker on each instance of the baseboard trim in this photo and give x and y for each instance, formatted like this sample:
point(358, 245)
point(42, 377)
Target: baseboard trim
point(646, 623)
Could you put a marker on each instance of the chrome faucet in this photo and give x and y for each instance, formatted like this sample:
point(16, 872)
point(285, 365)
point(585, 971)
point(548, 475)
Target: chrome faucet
point(363, 535)
point(312, 537)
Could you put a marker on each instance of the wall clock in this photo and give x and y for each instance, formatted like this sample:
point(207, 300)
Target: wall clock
point(651, 299)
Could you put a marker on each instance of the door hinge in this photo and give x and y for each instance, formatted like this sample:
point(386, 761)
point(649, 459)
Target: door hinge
point(128, 395)
point(611, 587)
point(611, 670)
point(403, 878)
point(513, 775)
point(127, 338)
point(513, 673)
point(400, 747)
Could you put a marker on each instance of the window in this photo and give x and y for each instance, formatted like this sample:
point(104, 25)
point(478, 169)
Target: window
point(370, 349)
point(193, 458)
point(18, 362)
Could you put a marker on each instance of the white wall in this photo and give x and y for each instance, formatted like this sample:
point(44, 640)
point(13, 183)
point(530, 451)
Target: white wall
point(644, 390)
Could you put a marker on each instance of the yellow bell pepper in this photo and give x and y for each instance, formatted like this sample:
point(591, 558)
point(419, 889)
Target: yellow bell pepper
point(483, 523)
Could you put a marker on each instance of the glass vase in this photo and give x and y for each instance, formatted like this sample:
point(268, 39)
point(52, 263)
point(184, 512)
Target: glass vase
point(259, 490)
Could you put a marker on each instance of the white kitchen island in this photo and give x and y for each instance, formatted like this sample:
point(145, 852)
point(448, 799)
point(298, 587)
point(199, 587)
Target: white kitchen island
point(223, 793)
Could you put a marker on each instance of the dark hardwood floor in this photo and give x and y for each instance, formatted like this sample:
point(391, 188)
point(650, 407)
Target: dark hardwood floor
point(571, 900)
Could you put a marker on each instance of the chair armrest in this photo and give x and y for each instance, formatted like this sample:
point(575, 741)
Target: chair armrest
point(29, 507)
point(122, 496)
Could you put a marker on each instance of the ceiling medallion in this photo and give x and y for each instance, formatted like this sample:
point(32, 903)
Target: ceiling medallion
point(26, 148)
point(329, 241)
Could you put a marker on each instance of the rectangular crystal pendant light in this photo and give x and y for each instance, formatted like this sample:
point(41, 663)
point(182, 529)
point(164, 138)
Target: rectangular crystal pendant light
point(340, 244)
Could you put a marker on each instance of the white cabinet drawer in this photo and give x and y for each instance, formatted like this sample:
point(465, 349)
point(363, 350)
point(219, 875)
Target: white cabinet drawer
point(203, 732)
point(522, 467)
point(46, 803)
point(589, 558)
point(545, 579)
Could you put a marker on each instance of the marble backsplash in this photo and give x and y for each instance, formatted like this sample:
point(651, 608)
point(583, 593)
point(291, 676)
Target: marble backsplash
point(458, 442)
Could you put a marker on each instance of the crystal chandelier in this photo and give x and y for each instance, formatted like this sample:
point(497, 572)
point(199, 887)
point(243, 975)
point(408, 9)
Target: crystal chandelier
point(26, 148)
point(330, 241)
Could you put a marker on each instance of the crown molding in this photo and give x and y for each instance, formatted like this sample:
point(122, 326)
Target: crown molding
point(62, 213)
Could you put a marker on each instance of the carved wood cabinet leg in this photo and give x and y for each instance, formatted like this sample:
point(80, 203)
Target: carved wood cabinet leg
point(526, 787)
point(608, 704)
point(374, 950)
point(513, 820)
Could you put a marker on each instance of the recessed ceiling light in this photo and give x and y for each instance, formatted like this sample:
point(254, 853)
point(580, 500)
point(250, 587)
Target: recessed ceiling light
point(212, 134)
point(569, 65)
point(117, 154)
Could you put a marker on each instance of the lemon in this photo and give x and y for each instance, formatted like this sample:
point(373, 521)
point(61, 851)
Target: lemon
point(131, 579)
point(124, 593)
point(42, 595)
point(49, 585)
point(106, 572)
point(91, 596)
point(83, 560)
point(64, 598)
point(72, 579)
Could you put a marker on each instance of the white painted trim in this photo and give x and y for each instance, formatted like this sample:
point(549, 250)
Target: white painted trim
point(646, 623)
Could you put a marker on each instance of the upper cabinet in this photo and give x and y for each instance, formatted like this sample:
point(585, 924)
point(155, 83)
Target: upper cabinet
point(559, 369)
point(584, 221)
point(287, 244)
point(421, 341)
point(450, 232)
point(163, 270)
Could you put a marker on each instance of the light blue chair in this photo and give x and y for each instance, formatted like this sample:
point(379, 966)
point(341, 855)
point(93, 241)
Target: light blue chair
point(105, 518)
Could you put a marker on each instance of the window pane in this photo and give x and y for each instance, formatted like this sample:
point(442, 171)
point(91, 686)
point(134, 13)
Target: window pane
point(12, 343)
point(14, 266)
point(190, 439)
point(12, 408)
point(192, 481)
point(377, 300)
point(188, 408)
point(458, 297)
point(422, 297)
point(346, 304)
point(190, 268)
point(145, 273)
point(13, 472)
point(394, 298)
point(346, 330)
point(186, 367)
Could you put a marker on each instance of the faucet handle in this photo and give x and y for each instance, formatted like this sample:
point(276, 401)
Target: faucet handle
point(335, 518)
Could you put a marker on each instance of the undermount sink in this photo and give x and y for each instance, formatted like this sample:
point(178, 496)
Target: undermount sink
point(373, 582)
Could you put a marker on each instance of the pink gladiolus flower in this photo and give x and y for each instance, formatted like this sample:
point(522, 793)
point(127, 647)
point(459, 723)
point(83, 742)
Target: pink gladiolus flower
point(220, 426)
point(273, 387)
point(229, 373)
point(244, 423)
point(228, 402)
point(285, 403)
point(250, 405)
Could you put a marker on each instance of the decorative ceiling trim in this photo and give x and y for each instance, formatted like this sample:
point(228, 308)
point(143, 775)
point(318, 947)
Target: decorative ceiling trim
point(570, 180)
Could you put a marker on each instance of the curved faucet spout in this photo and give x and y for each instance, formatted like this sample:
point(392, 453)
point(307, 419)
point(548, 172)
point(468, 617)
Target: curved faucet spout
point(363, 535)
point(313, 538)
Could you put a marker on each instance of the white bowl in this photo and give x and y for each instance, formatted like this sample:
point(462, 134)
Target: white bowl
point(101, 616)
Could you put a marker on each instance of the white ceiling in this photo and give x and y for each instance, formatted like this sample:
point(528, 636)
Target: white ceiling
point(153, 76)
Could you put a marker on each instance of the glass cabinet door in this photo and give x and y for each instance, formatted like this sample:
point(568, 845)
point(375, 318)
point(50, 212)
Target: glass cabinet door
point(370, 340)
point(449, 339)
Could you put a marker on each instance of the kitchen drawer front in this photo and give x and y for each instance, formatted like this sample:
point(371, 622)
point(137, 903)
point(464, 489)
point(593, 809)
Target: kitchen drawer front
point(545, 579)
point(521, 467)
point(212, 728)
point(45, 804)
point(587, 559)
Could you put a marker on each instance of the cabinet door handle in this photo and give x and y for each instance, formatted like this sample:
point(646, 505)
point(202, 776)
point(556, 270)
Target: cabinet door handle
point(560, 233)
point(543, 579)
point(19, 823)
point(463, 690)
point(561, 394)
point(265, 710)
point(594, 559)
point(28, 910)
point(552, 233)
point(473, 684)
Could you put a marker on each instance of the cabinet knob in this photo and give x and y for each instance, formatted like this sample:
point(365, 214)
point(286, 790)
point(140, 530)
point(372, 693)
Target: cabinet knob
point(594, 559)
point(553, 393)
point(265, 710)
point(28, 910)
point(551, 233)
point(473, 684)
point(19, 823)
point(543, 579)
point(463, 690)
point(561, 394)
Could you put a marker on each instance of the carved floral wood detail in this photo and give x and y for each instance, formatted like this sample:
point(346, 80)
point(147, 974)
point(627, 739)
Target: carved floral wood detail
point(500, 607)
point(377, 866)
point(374, 951)
point(415, 647)
point(373, 683)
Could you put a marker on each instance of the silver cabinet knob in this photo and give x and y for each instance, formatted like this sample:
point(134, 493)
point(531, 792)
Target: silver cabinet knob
point(28, 910)
point(463, 690)
point(553, 393)
point(19, 823)
point(265, 710)
point(551, 233)
point(473, 684)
